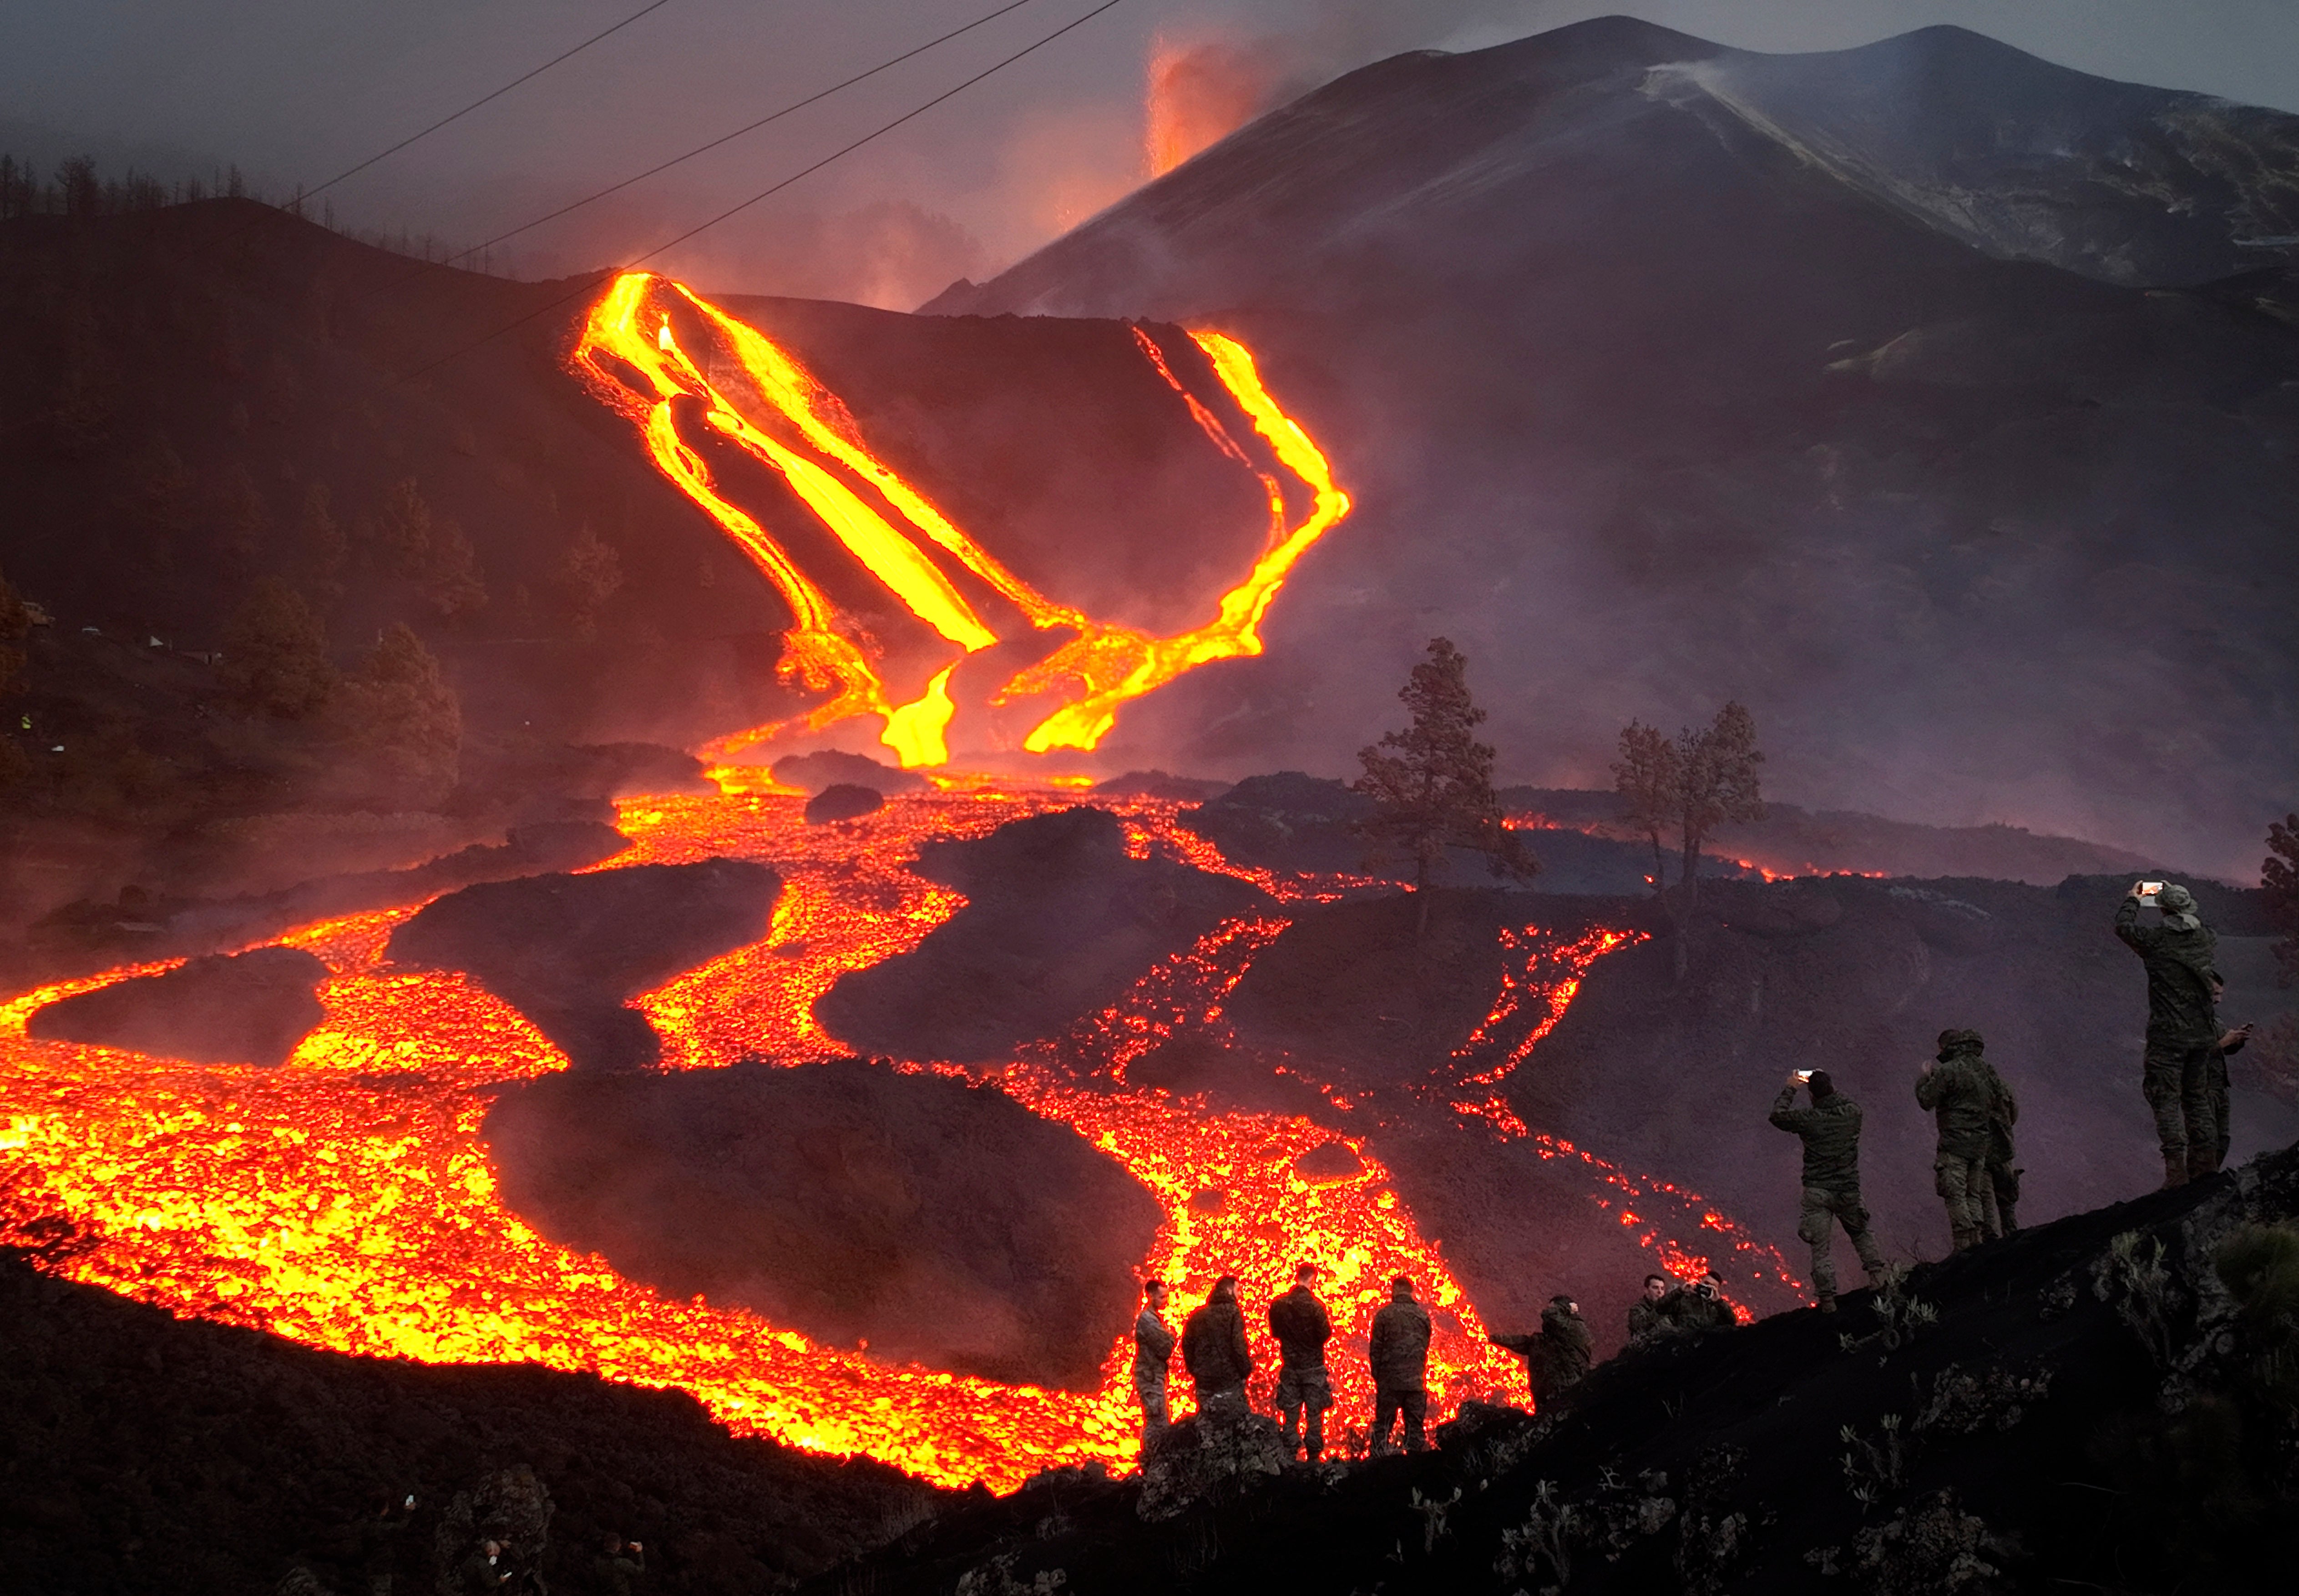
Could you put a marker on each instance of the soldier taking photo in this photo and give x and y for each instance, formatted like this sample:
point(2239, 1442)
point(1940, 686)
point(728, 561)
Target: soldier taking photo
point(1829, 1129)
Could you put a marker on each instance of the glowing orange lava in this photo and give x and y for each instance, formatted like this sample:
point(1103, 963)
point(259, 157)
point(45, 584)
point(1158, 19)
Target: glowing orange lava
point(345, 1200)
point(770, 407)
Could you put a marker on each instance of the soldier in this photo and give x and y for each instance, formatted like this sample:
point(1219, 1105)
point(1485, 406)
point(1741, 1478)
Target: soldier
point(2182, 1027)
point(1213, 1350)
point(1701, 1309)
point(1299, 1321)
point(2002, 1215)
point(1830, 1132)
point(1399, 1355)
point(1954, 1087)
point(618, 1564)
point(1558, 1354)
point(1153, 1354)
point(1645, 1320)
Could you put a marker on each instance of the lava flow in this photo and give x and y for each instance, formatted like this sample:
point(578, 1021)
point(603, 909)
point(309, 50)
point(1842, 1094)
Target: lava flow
point(777, 412)
point(346, 1199)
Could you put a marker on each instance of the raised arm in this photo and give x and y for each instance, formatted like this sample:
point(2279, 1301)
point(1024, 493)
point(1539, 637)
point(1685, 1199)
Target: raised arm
point(1785, 1114)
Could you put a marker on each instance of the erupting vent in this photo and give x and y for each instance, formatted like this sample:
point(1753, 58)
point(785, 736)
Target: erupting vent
point(781, 417)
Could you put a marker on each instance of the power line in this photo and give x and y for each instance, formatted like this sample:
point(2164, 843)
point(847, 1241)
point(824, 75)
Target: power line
point(654, 5)
point(879, 132)
point(729, 137)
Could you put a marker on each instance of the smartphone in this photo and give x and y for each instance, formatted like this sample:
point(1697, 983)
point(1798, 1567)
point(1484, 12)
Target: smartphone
point(2148, 889)
point(1804, 1077)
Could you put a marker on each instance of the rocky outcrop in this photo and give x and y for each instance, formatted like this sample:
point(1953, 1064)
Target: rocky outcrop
point(842, 801)
point(939, 1223)
point(567, 950)
point(248, 1008)
point(816, 773)
point(1058, 923)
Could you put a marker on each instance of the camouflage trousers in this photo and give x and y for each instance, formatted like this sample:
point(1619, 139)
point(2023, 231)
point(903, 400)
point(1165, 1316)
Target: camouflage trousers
point(1823, 1210)
point(1150, 1391)
point(1964, 1185)
point(1303, 1395)
point(2003, 1197)
point(1388, 1407)
point(2187, 1090)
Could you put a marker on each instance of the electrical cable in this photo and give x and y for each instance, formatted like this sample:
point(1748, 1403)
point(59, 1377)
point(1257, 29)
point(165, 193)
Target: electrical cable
point(876, 133)
point(795, 105)
point(566, 55)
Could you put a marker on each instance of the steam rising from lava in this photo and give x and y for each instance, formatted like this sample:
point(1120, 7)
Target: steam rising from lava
point(771, 409)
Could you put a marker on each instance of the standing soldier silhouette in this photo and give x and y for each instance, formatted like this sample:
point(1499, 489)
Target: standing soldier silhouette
point(1830, 1132)
point(1153, 1354)
point(1959, 1089)
point(2183, 1027)
point(1399, 1355)
point(1299, 1322)
point(1213, 1350)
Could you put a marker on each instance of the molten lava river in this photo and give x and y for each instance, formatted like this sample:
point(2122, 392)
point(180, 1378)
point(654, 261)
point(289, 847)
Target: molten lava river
point(346, 1199)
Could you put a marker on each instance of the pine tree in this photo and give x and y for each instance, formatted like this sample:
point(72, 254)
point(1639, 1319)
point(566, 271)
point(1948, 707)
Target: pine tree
point(590, 573)
point(321, 546)
point(1436, 789)
point(449, 576)
point(1648, 777)
point(275, 653)
point(402, 528)
point(1717, 782)
point(242, 517)
point(404, 720)
point(15, 625)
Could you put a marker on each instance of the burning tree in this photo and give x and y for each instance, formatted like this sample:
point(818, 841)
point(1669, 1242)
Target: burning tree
point(1695, 783)
point(1436, 790)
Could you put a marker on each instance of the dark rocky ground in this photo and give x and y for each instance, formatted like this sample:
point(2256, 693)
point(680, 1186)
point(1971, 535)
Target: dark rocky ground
point(1058, 923)
point(939, 1222)
point(2104, 1403)
point(247, 1008)
point(567, 950)
point(147, 1454)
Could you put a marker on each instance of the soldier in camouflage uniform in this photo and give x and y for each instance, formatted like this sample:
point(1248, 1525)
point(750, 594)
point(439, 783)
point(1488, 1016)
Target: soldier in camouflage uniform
point(2001, 1216)
point(1153, 1355)
point(1959, 1089)
point(1399, 1356)
point(1302, 1328)
point(1647, 1322)
point(2182, 1029)
point(1830, 1132)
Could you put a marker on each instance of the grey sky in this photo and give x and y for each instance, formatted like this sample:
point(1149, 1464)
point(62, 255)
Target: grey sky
point(294, 90)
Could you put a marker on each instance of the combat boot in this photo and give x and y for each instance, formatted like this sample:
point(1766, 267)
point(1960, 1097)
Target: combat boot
point(2175, 1169)
point(1826, 1304)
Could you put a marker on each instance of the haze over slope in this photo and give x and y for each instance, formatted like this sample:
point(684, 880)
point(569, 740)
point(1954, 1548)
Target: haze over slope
point(1906, 392)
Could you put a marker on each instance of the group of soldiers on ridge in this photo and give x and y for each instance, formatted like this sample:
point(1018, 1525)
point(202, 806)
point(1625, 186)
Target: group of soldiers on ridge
point(2184, 1080)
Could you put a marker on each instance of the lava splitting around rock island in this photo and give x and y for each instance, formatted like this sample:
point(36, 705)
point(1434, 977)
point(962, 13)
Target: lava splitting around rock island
point(347, 1199)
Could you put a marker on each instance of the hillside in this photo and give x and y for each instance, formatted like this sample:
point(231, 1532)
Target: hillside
point(2101, 1403)
point(1956, 441)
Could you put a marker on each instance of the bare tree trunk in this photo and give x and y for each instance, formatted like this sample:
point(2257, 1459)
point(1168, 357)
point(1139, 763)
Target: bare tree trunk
point(1660, 863)
point(1421, 896)
point(1691, 867)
